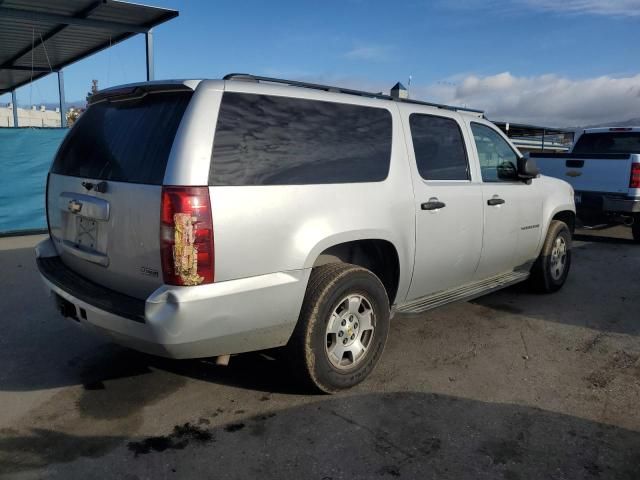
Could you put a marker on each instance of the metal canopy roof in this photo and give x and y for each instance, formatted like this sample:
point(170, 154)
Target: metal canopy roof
point(524, 130)
point(58, 33)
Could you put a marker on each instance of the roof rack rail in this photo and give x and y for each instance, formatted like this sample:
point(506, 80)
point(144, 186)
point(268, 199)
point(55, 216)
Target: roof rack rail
point(327, 88)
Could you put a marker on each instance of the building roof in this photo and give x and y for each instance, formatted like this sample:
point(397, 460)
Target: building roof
point(53, 35)
point(514, 130)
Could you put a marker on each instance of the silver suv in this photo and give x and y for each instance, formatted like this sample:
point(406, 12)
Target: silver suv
point(205, 218)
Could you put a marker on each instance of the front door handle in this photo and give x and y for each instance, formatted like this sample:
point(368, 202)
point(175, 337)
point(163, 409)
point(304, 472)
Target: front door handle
point(433, 204)
point(495, 201)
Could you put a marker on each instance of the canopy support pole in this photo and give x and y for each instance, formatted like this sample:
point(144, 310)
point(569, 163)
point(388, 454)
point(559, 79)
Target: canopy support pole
point(149, 42)
point(63, 118)
point(14, 104)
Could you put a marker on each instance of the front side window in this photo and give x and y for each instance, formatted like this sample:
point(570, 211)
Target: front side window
point(439, 148)
point(498, 161)
point(271, 140)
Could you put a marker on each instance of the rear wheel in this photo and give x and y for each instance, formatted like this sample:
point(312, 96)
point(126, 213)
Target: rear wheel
point(342, 329)
point(552, 266)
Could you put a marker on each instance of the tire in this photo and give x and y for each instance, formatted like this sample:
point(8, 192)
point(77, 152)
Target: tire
point(551, 269)
point(635, 228)
point(319, 337)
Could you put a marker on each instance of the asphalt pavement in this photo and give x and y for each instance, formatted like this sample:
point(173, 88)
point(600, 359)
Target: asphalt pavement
point(514, 385)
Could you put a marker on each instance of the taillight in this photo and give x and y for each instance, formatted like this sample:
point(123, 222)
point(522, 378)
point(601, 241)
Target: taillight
point(186, 236)
point(634, 180)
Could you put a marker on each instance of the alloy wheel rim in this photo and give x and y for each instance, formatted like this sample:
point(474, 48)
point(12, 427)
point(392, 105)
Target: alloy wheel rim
point(558, 259)
point(350, 331)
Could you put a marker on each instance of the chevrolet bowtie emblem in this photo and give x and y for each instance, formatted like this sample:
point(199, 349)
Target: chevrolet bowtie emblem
point(74, 206)
point(573, 173)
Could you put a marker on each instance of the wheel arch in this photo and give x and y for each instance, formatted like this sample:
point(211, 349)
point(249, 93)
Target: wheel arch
point(566, 216)
point(379, 255)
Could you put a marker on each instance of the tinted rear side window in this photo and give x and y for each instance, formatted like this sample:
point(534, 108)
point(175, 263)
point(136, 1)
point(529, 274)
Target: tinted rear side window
point(439, 148)
point(268, 140)
point(608, 142)
point(125, 141)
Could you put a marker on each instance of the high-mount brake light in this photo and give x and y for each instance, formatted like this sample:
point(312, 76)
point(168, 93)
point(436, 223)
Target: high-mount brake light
point(186, 236)
point(620, 129)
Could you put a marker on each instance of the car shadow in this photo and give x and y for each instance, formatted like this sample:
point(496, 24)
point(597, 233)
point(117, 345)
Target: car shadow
point(600, 293)
point(385, 435)
point(41, 350)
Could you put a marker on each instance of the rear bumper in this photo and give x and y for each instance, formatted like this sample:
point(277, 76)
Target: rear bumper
point(608, 203)
point(622, 205)
point(235, 316)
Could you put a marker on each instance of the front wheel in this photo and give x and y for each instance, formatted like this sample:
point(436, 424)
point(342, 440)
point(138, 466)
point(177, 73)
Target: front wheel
point(551, 269)
point(342, 329)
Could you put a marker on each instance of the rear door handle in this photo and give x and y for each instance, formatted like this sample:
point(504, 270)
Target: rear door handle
point(433, 204)
point(495, 201)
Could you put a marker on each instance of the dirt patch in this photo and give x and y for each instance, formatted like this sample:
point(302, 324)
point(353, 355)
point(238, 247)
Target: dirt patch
point(181, 436)
point(621, 362)
point(234, 427)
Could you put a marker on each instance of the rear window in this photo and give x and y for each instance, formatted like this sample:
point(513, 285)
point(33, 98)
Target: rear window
point(608, 142)
point(269, 140)
point(124, 141)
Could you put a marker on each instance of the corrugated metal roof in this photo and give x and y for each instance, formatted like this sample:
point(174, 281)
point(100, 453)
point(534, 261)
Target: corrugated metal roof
point(65, 31)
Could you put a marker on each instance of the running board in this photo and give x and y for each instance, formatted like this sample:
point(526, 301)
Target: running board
point(464, 293)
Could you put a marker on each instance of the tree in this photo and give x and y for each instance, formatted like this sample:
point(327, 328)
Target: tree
point(94, 88)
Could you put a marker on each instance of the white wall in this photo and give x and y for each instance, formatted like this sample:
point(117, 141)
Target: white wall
point(29, 117)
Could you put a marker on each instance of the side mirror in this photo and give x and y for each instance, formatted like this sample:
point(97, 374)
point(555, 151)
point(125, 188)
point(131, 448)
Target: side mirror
point(527, 168)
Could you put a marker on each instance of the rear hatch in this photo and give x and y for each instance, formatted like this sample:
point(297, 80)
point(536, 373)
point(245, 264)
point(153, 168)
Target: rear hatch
point(105, 186)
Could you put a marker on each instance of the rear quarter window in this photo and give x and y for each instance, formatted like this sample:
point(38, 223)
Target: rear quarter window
point(125, 141)
point(270, 140)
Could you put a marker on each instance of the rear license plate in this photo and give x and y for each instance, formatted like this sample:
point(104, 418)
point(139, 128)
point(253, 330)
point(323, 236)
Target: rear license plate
point(86, 232)
point(578, 197)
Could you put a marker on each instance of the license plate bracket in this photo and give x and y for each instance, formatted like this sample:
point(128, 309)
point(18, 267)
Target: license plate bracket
point(86, 233)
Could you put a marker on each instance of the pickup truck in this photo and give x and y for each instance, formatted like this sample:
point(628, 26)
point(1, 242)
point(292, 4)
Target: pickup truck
point(604, 169)
point(204, 218)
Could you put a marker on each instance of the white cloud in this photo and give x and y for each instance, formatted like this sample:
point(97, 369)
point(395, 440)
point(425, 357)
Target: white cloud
point(546, 99)
point(612, 8)
point(551, 100)
point(622, 8)
point(368, 52)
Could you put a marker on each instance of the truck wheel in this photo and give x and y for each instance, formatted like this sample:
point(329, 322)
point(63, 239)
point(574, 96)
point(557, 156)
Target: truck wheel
point(552, 266)
point(342, 329)
point(635, 228)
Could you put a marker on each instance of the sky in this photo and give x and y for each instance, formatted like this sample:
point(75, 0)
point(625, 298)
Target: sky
point(550, 62)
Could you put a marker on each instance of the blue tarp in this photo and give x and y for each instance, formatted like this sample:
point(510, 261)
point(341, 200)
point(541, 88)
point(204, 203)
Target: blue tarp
point(25, 157)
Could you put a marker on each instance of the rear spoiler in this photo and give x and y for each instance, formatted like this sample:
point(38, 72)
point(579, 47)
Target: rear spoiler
point(136, 91)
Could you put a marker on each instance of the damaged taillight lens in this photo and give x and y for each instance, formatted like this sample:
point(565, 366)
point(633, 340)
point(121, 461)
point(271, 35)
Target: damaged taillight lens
point(186, 236)
point(634, 180)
